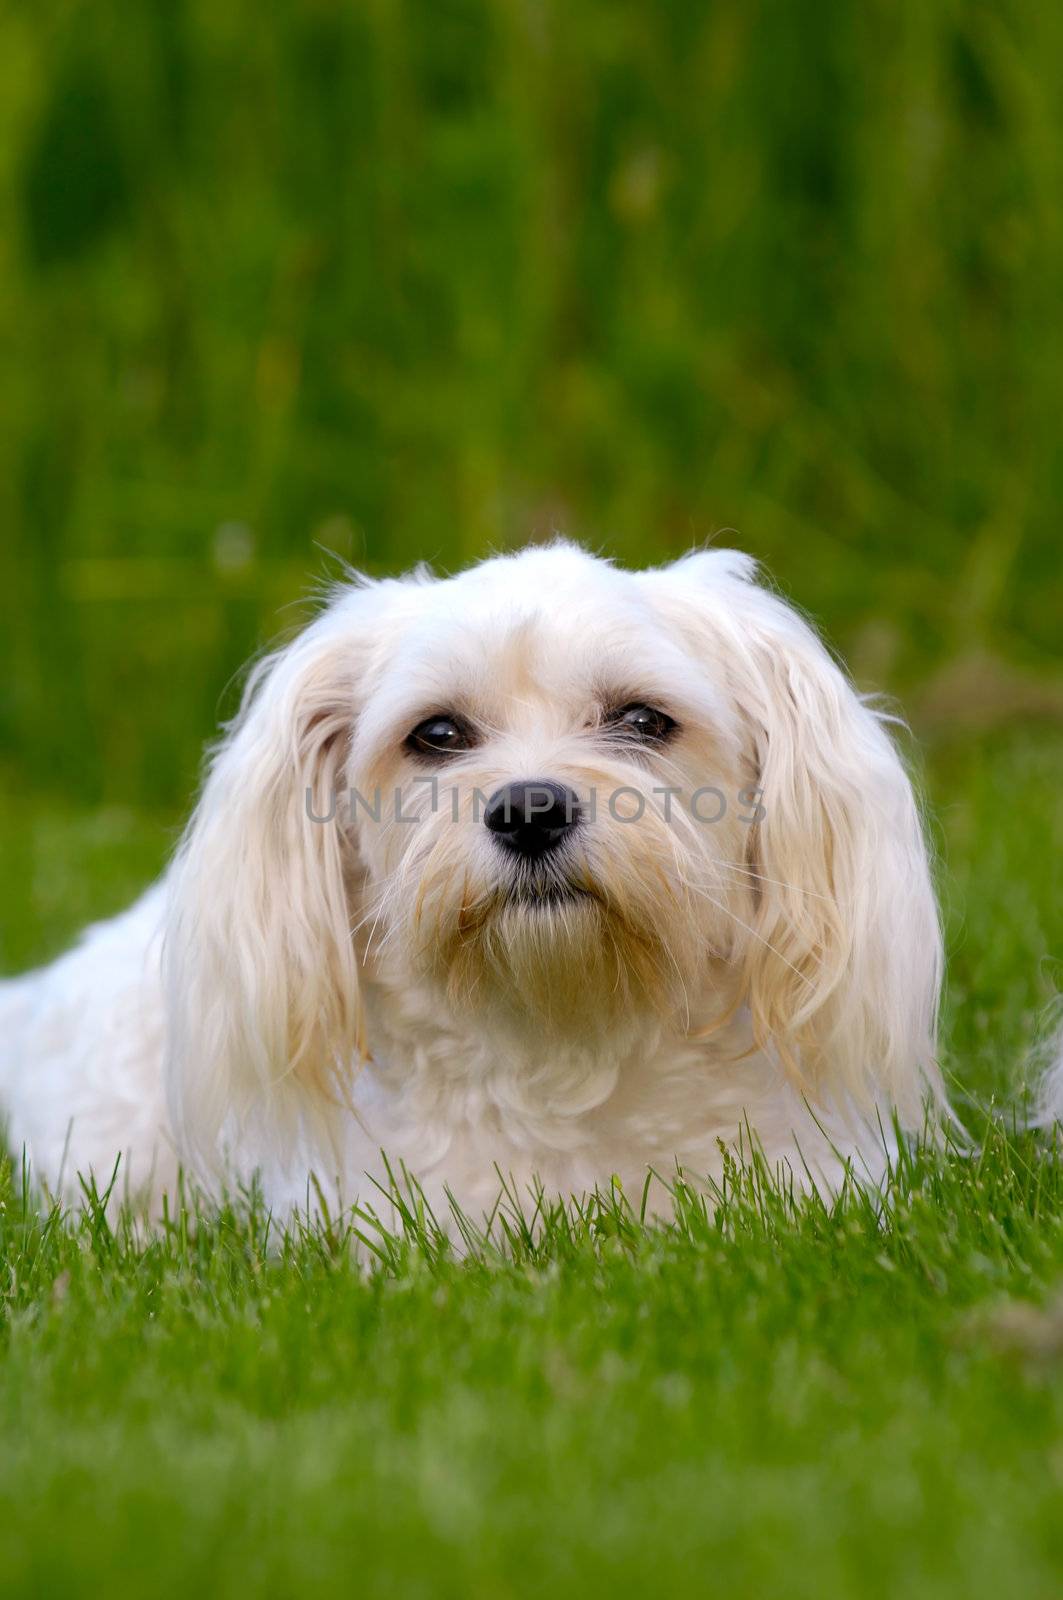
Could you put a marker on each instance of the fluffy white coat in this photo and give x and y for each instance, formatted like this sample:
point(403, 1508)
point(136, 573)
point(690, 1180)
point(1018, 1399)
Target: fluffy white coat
point(297, 996)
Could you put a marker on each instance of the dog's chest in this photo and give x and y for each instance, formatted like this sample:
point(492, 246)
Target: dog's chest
point(460, 1115)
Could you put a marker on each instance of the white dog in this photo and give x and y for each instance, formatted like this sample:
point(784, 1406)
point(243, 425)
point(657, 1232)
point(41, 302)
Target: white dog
point(547, 869)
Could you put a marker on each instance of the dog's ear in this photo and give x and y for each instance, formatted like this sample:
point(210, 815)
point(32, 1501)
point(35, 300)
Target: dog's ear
point(264, 1015)
point(841, 951)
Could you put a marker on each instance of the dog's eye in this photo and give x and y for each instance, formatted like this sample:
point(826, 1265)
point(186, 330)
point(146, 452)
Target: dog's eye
point(645, 723)
point(440, 736)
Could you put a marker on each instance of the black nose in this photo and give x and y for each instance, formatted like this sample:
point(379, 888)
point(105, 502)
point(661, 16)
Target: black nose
point(531, 818)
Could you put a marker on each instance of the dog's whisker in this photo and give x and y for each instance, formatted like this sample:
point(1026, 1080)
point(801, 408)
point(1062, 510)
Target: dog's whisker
point(795, 888)
point(762, 940)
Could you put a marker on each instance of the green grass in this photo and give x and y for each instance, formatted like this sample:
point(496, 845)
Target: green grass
point(800, 1401)
point(768, 1398)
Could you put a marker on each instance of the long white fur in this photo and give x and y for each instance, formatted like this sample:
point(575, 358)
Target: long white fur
point(296, 996)
point(1045, 1073)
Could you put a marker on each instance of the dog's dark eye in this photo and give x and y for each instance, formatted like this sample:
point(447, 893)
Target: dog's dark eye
point(440, 736)
point(645, 723)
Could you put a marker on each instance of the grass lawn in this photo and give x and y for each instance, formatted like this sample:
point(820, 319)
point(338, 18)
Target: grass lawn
point(773, 1398)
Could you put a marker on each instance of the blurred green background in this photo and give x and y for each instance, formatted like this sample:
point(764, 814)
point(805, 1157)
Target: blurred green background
point(407, 279)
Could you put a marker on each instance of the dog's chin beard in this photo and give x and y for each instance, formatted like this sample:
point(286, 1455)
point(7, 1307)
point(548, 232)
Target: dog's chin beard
point(543, 951)
point(544, 893)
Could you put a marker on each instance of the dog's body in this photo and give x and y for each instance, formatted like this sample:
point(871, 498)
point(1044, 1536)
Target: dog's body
point(617, 980)
point(85, 1084)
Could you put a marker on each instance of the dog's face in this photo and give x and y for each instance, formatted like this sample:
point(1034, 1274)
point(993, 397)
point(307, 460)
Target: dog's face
point(572, 800)
point(553, 804)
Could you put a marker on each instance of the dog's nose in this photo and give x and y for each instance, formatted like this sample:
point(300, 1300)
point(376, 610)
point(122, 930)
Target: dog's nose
point(531, 818)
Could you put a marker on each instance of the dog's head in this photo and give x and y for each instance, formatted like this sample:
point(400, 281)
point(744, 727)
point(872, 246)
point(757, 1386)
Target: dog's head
point(551, 795)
